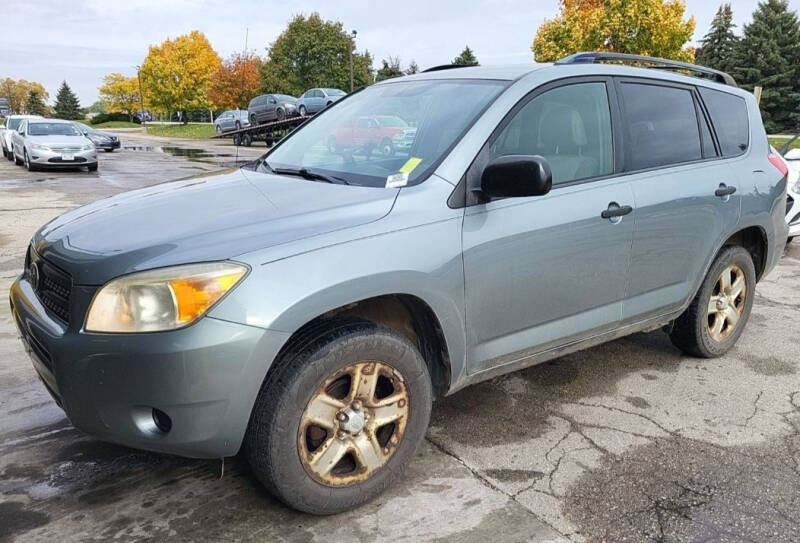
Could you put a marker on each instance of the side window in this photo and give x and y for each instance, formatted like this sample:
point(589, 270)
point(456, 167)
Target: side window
point(729, 117)
point(662, 126)
point(570, 126)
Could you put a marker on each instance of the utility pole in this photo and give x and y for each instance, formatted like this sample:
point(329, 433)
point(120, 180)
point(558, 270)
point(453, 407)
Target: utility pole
point(141, 96)
point(352, 46)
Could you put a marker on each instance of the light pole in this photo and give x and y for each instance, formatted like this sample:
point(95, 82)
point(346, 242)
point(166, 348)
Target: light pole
point(141, 96)
point(352, 46)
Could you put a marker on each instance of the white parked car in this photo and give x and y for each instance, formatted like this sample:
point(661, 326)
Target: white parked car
point(52, 143)
point(12, 124)
point(792, 159)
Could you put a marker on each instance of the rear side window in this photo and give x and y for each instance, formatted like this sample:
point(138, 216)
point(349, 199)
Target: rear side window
point(729, 117)
point(570, 126)
point(662, 126)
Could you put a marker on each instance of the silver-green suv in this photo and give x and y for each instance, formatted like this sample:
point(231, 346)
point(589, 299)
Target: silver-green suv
point(308, 308)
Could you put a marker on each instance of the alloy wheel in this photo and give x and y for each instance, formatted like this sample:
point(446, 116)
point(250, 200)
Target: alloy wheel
point(727, 302)
point(353, 423)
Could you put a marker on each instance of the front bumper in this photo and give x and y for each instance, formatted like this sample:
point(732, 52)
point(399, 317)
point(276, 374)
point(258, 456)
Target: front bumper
point(60, 159)
point(113, 144)
point(204, 377)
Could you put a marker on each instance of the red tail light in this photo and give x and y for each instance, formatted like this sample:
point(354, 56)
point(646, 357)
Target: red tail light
point(776, 161)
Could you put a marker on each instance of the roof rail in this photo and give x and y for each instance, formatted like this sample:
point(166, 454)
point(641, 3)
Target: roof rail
point(444, 67)
point(655, 62)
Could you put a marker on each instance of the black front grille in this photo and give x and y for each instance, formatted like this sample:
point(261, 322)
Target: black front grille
point(58, 160)
point(52, 285)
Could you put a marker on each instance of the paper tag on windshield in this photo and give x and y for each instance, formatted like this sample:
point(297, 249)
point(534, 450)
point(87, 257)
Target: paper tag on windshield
point(397, 180)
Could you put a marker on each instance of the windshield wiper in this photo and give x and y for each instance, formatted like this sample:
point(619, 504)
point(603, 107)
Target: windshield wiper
point(305, 173)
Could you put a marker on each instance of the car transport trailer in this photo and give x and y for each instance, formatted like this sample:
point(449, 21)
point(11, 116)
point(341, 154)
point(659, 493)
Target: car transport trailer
point(269, 133)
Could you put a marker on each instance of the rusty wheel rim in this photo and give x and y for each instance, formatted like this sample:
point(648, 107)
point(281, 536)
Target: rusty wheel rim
point(726, 304)
point(353, 423)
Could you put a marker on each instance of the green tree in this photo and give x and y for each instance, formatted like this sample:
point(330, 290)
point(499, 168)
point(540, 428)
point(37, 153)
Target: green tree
point(644, 27)
point(413, 68)
point(97, 107)
point(34, 104)
point(389, 68)
point(767, 56)
point(67, 105)
point(176, 74)
point(719, 44)
point(466, 58)
point(312, 52)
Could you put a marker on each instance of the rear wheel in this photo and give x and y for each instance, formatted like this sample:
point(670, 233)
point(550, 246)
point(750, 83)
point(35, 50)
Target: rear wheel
point(303, 111)
point(718, 314)
point(246, 140)
point(253, 120)
point(17, 161)
point(339, 417)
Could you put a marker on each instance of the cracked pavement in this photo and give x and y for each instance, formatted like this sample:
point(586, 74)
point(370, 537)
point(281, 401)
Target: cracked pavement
point(628, 441)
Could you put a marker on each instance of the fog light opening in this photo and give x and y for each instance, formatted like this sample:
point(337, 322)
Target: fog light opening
point(162, 421)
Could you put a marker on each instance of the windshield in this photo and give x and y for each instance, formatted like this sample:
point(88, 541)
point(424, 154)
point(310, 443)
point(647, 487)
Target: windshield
point(334, 92)
point(284, 98)
point(13, 124)
point(52, 129)
point(386, 135)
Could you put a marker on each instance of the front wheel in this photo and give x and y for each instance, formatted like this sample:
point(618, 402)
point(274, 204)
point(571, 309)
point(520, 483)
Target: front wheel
point(339, 417)
point(28, 164)
point(93, 167)
point(717, 316)
point(280, 114)
point(303, 111)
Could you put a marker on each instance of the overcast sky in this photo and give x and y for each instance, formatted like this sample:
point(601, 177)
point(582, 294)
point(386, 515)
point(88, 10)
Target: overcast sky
point(82, 40)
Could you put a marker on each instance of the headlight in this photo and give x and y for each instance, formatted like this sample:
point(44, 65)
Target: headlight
point(99, 139)
point(39, 147)
point(87, 147)
point(162, 299)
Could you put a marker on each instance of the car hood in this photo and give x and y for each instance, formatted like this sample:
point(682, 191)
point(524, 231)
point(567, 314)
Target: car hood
point(65, 141)
point(204, 218)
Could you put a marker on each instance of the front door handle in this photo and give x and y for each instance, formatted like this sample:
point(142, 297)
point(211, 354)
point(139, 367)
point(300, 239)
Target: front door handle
point(724, 190)
point(612, 212)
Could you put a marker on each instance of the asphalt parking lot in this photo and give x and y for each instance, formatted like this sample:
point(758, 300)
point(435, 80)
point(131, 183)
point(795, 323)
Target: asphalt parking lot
point(629, 441)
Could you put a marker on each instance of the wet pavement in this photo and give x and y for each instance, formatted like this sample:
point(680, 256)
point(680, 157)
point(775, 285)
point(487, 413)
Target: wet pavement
point(628, 441)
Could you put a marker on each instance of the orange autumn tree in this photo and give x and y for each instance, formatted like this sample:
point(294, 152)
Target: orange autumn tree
point(235, 82)
point(642, 27)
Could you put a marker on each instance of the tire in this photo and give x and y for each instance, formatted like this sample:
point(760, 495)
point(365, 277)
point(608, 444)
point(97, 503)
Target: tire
point(280, 114)
point(329, 104)
point(17, 161)
point(246, 140)
point(27, 162)
point(386, 149)
point(277, 449)
point(303, 111)
point(253, 121)
point(789, 239)
point(692, 332)
point(92, 167)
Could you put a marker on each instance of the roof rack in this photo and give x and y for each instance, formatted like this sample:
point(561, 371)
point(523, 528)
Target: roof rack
point(654, 62)
point(443, 67)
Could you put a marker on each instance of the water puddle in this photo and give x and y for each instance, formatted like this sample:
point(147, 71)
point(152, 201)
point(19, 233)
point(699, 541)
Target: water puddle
point(225, 160)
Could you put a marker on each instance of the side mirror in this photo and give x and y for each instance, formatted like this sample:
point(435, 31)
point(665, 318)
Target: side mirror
point(792, 154)
point(513, 176)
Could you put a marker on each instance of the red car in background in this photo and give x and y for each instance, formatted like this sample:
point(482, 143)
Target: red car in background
point(386, 133)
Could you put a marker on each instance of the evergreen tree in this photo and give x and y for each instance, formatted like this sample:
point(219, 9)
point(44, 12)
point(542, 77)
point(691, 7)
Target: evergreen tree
point(389, 68)
point(412, 68)
point(466, 58)
point(719, 44)
point(34, 105)
point(67, 105)
point(767, 56)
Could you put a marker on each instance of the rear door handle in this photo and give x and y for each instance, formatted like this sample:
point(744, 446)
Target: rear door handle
point(724, 190)
point(612, 212)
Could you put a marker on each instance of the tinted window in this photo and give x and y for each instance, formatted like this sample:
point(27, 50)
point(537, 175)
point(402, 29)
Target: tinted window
point(662, 125)
point(569, 126)
point(729, 117)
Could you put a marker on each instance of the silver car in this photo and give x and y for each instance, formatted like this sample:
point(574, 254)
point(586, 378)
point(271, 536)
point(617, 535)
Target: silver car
point(12, 124)
point(314, 100)
point(230, 120)
point(52, 143)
